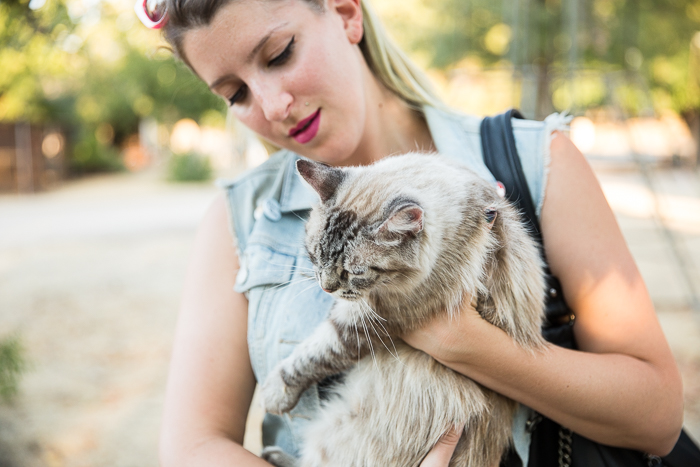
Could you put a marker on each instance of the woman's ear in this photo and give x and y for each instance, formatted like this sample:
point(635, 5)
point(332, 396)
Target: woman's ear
point(350, 11)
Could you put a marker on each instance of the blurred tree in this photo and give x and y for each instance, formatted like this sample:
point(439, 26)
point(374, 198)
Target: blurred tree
point(90, 66)
point(640, 48)
point(95, 70)
point(30, 57)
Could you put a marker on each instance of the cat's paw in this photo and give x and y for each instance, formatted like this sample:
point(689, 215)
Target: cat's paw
point(277, 396)
point(277, 457)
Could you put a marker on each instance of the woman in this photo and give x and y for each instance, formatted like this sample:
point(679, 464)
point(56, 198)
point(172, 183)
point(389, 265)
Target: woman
point(318, 79)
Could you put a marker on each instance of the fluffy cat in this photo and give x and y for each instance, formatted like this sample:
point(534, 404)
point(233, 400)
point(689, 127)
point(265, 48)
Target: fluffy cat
point(398, 243)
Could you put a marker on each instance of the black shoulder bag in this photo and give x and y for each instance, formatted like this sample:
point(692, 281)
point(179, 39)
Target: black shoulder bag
point(553, 445)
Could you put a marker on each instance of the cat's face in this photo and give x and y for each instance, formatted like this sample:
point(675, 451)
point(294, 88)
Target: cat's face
point(358, 249)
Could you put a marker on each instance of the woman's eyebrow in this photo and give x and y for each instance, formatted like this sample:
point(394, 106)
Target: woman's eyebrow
point(251, 55)
point(262, 42)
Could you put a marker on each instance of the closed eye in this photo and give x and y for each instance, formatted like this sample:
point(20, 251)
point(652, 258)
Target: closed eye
point(239, 95)
point(284, 55)
point(280, 59)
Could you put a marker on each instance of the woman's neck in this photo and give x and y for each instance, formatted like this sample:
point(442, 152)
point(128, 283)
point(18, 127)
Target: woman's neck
point(391, 126)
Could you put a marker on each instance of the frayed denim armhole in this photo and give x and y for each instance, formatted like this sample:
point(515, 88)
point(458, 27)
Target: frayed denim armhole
point(225, 185)
point(533, 140)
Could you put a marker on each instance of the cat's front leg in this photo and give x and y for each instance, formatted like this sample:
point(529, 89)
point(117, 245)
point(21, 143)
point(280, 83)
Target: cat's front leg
point(332, 348)
point(277, 457)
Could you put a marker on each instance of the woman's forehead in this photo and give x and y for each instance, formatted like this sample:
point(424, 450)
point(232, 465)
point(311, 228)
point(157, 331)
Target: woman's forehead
point(237, 31)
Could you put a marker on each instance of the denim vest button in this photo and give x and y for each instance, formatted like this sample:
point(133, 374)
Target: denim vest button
point(257, 214)
point(242, 275)
point(271, 209)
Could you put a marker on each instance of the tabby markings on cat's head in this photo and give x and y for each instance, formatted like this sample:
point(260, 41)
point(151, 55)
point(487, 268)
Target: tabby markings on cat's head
point(331, 252)
point(354, 254)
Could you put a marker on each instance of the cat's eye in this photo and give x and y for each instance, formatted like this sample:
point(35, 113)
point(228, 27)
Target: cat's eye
point(344, 275)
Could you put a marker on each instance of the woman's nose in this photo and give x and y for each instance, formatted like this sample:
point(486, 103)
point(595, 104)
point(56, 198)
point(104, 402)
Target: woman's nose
point(275, 103)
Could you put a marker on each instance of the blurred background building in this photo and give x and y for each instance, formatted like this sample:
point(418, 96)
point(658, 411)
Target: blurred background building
point(99, 124)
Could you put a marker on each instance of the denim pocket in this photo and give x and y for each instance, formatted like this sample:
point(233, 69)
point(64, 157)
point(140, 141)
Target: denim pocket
point(262, 265)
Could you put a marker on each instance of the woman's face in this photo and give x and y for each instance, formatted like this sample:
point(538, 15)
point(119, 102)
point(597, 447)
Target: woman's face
point(292, 74)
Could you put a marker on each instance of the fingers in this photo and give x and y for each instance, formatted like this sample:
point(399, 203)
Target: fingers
point(442, 452)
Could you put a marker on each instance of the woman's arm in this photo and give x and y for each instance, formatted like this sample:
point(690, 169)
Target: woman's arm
point(211, 382)
point(623, 388)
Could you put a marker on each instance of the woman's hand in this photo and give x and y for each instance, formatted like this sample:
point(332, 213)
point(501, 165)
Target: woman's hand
point(442, 452)
point(446, 338)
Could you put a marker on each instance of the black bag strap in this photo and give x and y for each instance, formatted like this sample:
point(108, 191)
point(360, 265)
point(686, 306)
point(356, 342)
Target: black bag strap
point(501, 157)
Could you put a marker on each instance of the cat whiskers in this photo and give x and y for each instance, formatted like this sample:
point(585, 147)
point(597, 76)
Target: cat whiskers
point(309, 287)
point(369, 341)
point(372, 318)
point(290, 266)
point(264, 271)
point(299, 217)
point(373, 313)
point(293, 282)
point(302, 271)
point(357, 333)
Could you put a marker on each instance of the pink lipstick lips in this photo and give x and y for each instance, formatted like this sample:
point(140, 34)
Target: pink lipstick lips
point(306, 129)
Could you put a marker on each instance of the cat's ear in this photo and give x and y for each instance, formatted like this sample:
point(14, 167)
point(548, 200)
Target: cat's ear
point(322, 178)
point(406, 219)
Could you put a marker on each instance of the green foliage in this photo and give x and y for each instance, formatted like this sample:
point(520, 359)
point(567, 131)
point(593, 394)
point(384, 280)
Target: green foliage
point(647, 39)
point(12, 364)
point(91, 156)
point(87, 64)
point(189, 167)
point(83, 67)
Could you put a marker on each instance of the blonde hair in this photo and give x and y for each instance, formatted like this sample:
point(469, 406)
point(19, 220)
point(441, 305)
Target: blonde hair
point(389, 64)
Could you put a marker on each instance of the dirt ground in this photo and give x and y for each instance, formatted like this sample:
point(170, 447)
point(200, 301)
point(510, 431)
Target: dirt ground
point(90, 278)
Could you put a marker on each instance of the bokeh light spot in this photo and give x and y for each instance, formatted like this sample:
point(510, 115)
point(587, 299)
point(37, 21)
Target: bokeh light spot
point(185, 136)
point(52, 145)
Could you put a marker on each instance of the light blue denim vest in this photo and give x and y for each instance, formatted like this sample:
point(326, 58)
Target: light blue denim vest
point(268, 207)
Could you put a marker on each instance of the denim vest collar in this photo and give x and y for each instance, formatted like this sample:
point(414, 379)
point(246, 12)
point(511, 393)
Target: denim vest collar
point(295, 194)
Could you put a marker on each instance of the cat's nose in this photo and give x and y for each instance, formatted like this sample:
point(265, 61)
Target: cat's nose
point(328, 284)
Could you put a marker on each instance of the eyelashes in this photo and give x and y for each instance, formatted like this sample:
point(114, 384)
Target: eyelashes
point(284, 55)
point(239, 95)
point(279, 60)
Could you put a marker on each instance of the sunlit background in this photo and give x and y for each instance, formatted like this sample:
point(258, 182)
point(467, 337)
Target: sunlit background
point(109, 149)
